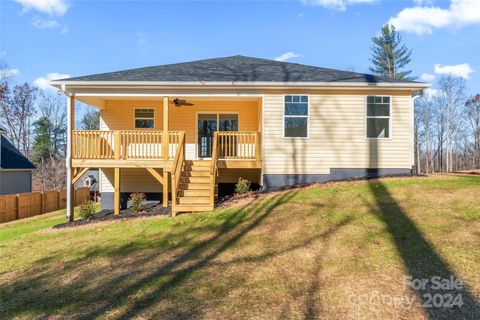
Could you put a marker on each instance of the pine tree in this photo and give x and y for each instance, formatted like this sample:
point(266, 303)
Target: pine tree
point(42, 145)
point(390, 56)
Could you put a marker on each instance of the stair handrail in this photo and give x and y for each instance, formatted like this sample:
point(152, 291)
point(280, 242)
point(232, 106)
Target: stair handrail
point(214, 168)
point(177, 166)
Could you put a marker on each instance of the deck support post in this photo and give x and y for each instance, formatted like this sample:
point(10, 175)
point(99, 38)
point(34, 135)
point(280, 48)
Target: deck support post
point(165, 140)
point(116, 195)
point(70, 127)
point(165, 144)
point(165, 189)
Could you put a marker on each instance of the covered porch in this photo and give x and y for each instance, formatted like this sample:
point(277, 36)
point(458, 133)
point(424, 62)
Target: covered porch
point(221, 131)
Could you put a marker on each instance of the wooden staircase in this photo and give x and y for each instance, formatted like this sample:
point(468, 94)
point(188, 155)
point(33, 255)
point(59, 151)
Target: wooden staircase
point(195, 189)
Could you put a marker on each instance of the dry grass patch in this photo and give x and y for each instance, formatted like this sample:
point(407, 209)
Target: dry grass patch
point(332, 251)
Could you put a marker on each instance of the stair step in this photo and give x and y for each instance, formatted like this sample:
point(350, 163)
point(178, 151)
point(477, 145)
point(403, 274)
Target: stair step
point(197, 168)
point(195, 193)
point(205, 180)
point(194, 200)
point(191, 208)
point(195, 186)
point(196, 173)
point(198, 163)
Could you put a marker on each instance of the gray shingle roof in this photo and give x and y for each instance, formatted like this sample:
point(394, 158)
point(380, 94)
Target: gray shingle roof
point(236, 69)
point(11, 158)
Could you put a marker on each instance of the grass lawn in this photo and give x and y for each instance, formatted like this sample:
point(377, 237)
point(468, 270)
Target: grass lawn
point(342, 250)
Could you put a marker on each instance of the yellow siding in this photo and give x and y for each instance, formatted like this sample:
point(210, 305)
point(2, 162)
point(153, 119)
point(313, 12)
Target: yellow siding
point(119, 115)
point(337, 136)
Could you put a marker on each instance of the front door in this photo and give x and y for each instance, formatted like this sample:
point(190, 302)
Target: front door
point(207, 124)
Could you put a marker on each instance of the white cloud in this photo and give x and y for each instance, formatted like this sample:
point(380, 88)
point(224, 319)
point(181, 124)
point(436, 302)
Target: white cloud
point(45, 24)
point(6, 73)
point(427, 77)
point(49, 24)
point(51, 7)
point(460, 70)
point(421, 20)
point(44, 82)
point(340, 5)
point(287, 56)
point(423, 2)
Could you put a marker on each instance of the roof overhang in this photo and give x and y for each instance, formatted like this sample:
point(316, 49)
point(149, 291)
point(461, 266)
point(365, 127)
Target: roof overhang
point(96, 93)
point(65, 84)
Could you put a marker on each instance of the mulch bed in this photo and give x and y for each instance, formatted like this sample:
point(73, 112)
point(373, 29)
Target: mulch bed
point(152, 210)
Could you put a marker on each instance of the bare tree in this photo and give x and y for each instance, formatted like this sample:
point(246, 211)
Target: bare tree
point(17, 111)
point(53, 108)
point(90, 119)
point(452, 100)
point(50, 174)
point(424, 123)
point(472, 108)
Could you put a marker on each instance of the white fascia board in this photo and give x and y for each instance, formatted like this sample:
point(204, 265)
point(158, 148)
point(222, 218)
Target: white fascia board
point(243, 85)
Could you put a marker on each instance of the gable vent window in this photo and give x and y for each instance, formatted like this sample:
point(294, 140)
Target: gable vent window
point(295, 122)
point(378, 117)
point(144, 119)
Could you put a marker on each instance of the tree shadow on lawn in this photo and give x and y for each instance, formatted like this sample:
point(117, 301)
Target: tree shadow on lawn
point(44, 293)
point(420, 258)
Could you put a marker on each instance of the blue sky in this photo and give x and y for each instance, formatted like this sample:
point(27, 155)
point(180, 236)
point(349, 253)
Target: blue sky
point(44, 39)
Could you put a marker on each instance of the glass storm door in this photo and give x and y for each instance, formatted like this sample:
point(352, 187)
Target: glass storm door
point(208, 123)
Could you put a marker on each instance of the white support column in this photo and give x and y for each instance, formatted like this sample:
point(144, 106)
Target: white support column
point(69, 184)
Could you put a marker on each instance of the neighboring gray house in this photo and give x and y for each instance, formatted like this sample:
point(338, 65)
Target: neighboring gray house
point(15, 169)
point(89, 180)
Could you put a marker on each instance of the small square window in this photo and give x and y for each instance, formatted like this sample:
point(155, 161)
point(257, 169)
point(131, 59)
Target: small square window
point(144, 118)
point(296, 127)
point(378, 128)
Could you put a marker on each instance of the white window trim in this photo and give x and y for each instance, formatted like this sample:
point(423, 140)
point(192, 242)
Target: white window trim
point(135, 118)
point(390, 129)
point(296, 116)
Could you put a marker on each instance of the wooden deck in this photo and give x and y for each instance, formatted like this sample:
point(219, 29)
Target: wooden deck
point(190, 180)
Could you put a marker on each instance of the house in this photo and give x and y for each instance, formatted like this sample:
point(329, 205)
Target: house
point(184, 128)
point(90, 180)
point(15, 169)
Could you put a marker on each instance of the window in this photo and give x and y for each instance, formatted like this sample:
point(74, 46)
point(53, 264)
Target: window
point(295, 117)
point(378, 117)
point(144, 118)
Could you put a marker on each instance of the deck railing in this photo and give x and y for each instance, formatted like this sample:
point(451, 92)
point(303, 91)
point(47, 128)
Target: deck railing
point(243, 145)
point(214, 168)
point(123, 144)
point(177, 166)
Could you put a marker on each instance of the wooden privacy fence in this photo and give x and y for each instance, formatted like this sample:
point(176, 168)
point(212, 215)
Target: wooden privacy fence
point(24, 205)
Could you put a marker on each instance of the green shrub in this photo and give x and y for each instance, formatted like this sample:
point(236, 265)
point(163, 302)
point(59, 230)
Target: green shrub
point(87, 210)
point(242, 186)
point(138, 202)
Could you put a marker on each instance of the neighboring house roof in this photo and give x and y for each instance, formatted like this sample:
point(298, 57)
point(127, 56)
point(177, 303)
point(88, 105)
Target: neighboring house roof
point(236, 69)
point(11, 158)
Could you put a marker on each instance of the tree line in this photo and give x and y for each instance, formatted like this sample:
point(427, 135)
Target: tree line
point(447, 121)
point(36, 124)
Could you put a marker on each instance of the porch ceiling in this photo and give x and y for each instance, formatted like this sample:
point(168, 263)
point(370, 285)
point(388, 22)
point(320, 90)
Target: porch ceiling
point(99, 101)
